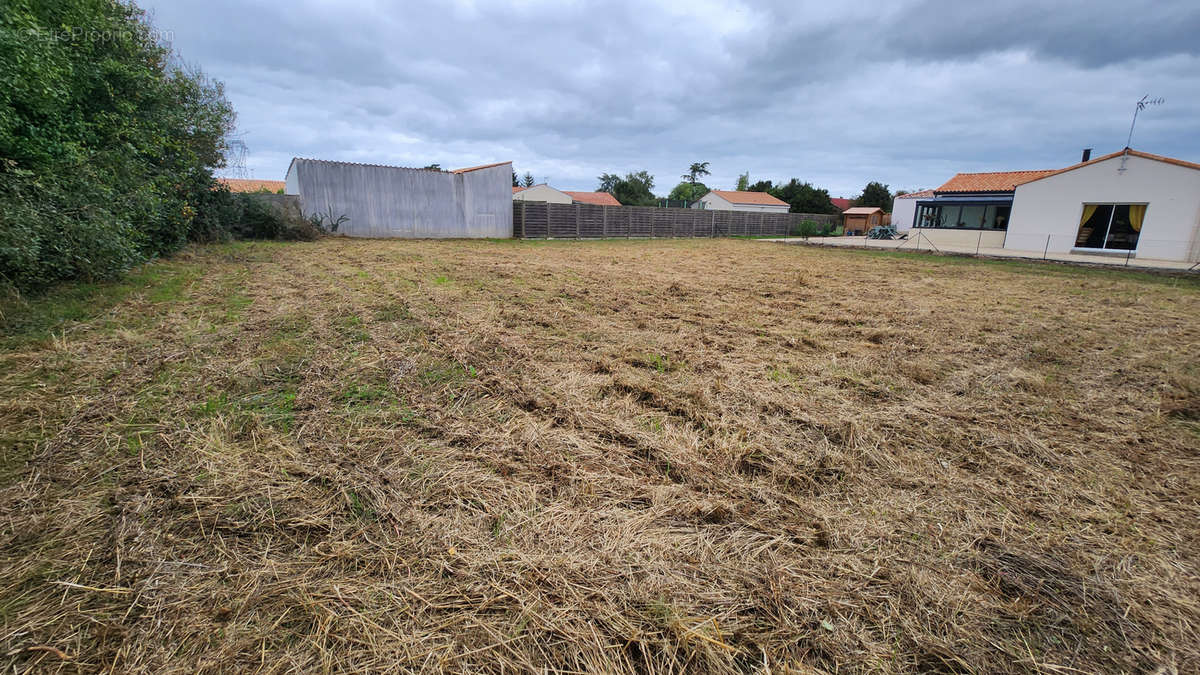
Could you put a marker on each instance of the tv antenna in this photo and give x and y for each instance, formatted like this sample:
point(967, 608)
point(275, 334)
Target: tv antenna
point(1144, 103)
point(235, 158)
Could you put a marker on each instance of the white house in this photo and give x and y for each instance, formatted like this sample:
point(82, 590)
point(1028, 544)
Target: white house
point(1122, 202)
point(730, 200)
point(1125, 203)
point(904, 209)
point(540, 193)
point(545, 193)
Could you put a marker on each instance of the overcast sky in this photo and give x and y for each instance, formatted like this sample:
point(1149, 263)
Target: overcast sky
point(907, 93)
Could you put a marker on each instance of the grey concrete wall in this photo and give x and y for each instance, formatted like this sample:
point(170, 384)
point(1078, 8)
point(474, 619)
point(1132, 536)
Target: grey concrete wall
point(385, 201)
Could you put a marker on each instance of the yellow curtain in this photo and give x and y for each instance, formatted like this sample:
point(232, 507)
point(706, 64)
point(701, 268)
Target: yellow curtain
point(1088, 211)
point(1136, 213)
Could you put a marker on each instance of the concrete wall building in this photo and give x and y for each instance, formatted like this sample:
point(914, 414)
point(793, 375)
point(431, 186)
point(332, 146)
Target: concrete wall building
point(1128, 203)
point(730, 200)
point(391, 201)
point(904, 209)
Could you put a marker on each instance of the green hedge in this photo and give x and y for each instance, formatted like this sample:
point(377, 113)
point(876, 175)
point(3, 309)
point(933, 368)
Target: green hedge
point(108, 144)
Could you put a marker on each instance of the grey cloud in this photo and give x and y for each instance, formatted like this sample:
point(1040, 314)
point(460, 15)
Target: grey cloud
point(904, 93)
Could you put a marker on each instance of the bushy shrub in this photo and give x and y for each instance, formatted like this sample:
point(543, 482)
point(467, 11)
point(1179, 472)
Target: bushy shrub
point(108, 143)
point(806, 228)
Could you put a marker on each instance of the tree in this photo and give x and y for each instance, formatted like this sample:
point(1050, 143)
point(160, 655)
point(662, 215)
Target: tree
point(433, 167)
point(803, 197)
point(743, 183)
point(528, 180)
point(875, 194)
point(107, 146)
point(694, 171)
point(635, 189)
point(760, 186)
point(516, 181)
point(684, 192)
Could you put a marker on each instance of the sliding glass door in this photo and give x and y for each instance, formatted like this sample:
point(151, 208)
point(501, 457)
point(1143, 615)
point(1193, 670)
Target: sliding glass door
point(1110, 226)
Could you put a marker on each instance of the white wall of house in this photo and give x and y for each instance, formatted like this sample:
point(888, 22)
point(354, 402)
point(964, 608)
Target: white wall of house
point(718, 203)
point(542, 193)
point(903, 212)
point(1051, 207)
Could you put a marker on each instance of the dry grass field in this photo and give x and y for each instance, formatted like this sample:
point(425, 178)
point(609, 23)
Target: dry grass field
point(655, 456)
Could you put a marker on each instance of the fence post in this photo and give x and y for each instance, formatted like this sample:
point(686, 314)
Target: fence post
point(629, 223)
point(1046, 250)
point(524, 232)
point(713, 221)
point(604, 210)
point(577, 221)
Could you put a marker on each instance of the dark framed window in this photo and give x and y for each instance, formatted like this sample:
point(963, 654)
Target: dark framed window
point(964, 215)
point(1110, 226)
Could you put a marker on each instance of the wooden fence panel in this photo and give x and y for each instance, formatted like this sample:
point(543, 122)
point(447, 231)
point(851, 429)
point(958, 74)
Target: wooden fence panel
point(536, 220)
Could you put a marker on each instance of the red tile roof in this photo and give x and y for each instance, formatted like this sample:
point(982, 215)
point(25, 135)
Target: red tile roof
point(995, 181)
point(252, 185)
point(481, 166)
point(598, 198)
point(756, 198)
point(841, 203)
point(923, 194)
point(517, 188)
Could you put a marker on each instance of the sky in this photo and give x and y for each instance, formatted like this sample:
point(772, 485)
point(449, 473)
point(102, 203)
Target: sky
point(836, 94)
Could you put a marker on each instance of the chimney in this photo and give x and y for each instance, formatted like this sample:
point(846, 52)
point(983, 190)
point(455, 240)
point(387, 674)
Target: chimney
point(1087, 154)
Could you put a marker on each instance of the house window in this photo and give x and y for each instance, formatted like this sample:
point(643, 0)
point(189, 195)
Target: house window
point(978, 216)
point(1110, 226)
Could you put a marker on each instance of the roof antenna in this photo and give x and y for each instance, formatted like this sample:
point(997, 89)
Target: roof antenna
point(1141, 105)
point(1144, 103)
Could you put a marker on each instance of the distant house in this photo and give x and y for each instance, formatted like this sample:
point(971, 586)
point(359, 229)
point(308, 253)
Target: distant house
point(545, 193)
point(904, 209)
point(1125, 203)
point(858, 220)
point(597, 198)
point(730, 200)
point(841, 203)
point(252, 185)
point(541, 193)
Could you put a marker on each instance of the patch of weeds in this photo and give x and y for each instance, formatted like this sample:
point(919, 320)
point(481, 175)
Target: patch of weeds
point(359, 507)
point(777, 374)
point(31, 318)
point(660, 363)
point(352, 328)
point(447, 374)
point(441, 280)
point(290, 325)
point(274, 407)
point(360, 395)
point(392, 311)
